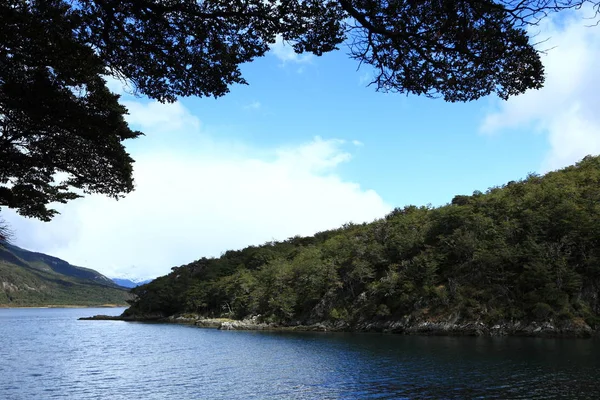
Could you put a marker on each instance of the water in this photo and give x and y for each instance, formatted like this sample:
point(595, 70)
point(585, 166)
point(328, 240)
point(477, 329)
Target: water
point(48, 353)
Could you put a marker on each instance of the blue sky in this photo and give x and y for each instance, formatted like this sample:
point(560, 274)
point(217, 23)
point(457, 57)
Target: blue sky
point(413, 150)
point(307, 147)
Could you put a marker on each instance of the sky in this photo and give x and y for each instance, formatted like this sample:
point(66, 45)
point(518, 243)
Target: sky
point(307, 147)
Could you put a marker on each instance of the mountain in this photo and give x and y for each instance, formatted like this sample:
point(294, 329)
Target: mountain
point(29, 278)
point(130, 283)
point(522, 258)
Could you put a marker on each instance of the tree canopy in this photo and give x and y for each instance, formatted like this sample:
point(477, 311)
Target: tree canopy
point(57, 115)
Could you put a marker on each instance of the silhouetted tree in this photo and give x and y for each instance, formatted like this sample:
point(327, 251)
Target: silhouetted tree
point(58, 117)
point(5, 232)
point(58, 120)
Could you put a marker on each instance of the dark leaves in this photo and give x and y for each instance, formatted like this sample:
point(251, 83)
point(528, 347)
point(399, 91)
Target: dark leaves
point(459, 50)
point(58, 117)
point(59, 120)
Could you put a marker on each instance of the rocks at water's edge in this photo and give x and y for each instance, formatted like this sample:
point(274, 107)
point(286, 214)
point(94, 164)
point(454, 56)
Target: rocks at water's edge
point(103, 318)
point(477, 328)
point(406, 326)
point(249, 324)
point(146, 318)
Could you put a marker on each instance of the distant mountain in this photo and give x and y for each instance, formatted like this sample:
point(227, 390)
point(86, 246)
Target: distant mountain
point(29, 278)
point(129, 283)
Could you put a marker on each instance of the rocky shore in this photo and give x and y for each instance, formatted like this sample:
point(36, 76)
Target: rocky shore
point(407, 326)
point(572, 329)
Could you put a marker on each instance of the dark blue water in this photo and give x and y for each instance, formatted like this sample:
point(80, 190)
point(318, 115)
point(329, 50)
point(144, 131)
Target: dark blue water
point(48, 353)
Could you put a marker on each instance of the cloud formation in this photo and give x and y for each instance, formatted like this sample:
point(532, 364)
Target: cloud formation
point(255, 105)
point(286, 54)
point(191, 203)
point(566, 109)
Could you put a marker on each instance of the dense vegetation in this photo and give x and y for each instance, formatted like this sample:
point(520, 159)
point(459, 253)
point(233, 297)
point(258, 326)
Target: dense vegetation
point(526, 251)
point(36, 279)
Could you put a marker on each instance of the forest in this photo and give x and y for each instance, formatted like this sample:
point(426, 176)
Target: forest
point(525, 251)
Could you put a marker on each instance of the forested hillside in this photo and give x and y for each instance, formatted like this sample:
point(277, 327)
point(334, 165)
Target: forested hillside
point(526, 251)
point(35, 279)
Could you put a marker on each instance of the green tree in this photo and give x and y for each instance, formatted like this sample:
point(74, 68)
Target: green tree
point(276, 296)
point(312, 278)
point(235, 293)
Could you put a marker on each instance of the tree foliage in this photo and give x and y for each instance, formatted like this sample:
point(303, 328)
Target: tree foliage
point(56, 114)
point(526, 251)
point(58, 117)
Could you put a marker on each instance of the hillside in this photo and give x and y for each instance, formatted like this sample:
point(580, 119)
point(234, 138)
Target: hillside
point(523, 257)
point(35, 279)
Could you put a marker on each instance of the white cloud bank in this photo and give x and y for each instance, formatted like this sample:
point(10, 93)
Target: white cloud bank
point(189, 204)
point(567, 108)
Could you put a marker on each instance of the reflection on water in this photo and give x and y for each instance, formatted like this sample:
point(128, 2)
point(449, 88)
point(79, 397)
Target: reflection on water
point(47, 353)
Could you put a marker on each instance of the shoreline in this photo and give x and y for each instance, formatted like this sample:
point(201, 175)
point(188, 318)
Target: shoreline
point(406, 327)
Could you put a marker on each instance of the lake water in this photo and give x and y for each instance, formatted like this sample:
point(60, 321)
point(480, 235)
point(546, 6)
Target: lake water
point(48, 353)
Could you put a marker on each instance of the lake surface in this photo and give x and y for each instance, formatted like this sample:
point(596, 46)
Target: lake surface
point(48, 353)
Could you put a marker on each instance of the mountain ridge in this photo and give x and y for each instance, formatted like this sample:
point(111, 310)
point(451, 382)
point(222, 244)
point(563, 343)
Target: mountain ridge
point(29, 278)
point(130, 283)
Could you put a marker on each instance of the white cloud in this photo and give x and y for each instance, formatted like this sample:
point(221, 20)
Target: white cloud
point(192, 203)
point(286, 54)
point(255, 105)
point(566, 109)
point(156, 117)
point(314, 157)
point(119, 86)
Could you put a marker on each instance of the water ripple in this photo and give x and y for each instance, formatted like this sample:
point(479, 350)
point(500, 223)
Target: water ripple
point(48, 354)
